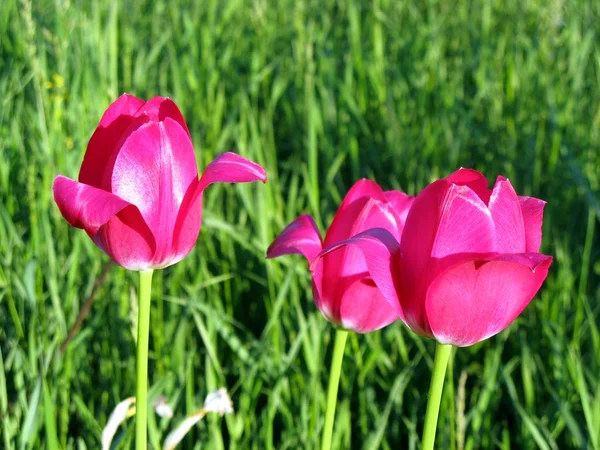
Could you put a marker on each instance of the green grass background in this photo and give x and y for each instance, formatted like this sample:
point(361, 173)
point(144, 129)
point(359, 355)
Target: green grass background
point(320, 93)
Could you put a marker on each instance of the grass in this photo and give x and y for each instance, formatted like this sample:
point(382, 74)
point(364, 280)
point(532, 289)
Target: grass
point(321, 93)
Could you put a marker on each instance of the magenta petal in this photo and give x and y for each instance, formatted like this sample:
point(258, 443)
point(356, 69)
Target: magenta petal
point(187, 225)
point(127, 240)
point(380, 254)
point(363, 188)
point(85, 206)
point(153, 170)
point(445, 219)
point(474, 180)
point(506, 212)
point(477, 299)
point(159, 108)
point(231, 168)
point(533, 215)
point(115, 225)
point(115, 121)
point(401, 204)
point(363, 308)
point(299, 237)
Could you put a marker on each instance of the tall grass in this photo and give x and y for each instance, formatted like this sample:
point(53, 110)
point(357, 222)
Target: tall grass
point(321, 93)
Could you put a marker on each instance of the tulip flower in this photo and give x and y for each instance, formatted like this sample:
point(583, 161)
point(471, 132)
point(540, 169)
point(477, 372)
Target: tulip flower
point(343, 290)
point(139, 198)
point(467, 264)
point(342, 287)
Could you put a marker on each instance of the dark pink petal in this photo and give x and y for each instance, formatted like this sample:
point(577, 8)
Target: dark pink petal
point(363, 188)
point(85, 206)
point(227, 167)
point(299, 237)
point(159, 108)
point(506, 212)
point(375, 251)
point(445, 219)
point(127, 240)
point(103, 143)
point(115, 225)
point(474, 180)
point(479, 298)
point(187, 225)
point(363, 307)
point(533, 216)
point(231, 168)
point(400, 202)
point(154, 169)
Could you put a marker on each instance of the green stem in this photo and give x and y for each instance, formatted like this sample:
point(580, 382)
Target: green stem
point(334, 382)
point(442, 353)
point(141, 420)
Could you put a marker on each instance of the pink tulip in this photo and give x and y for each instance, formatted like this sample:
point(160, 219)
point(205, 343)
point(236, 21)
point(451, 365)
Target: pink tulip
point(468, 262)
point(138, 196)
point(342, 287)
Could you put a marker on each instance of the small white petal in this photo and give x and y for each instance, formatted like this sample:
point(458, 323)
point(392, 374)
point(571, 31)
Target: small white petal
point(179, 433)
point(218, 402)
point(117, 417)
point(162, 408)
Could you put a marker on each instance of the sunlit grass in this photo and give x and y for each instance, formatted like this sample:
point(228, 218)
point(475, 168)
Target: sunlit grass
point(320, 93)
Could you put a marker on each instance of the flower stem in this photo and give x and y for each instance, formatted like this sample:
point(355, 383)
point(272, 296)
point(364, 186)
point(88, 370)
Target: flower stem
point(334, 382)
point(141, 401)
point(442, 353)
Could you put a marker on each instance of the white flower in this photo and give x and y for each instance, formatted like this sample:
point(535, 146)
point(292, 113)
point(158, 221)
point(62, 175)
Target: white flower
point(162, 408)
point(218, 402)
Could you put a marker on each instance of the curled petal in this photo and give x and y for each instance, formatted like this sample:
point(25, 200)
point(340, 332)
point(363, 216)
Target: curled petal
point(533, 215)
point(380, 251)
point(122, 411)
point(508, 220)
point(116, 226)
point(85, 206)
point(175, 436)
point(299, 237)
point(103, 143)
point(478, 298)
point(231, 168)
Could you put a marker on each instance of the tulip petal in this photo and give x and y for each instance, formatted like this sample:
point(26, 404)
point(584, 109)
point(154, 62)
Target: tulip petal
point(533, 215)
point(506, 212)
point(357, 212)
point(226, 168)
point(103, 143)
point(474, 180)
point(380, 255)
point(478, 298)
point(188, 223)
point(231, 168)
point(299, 237)
point(153, 170)
point(363, 188)
point(444, 219)
point(363, 307)
point(85, 206)
point(115, 225)
point(401, 204)
point(159, 108)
